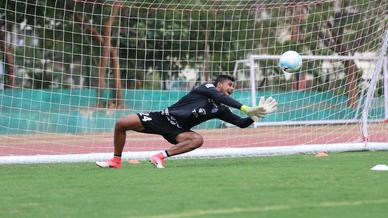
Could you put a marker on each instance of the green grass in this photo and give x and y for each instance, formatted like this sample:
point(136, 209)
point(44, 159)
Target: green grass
point(341, 185)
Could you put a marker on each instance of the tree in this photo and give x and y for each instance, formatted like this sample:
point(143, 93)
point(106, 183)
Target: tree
point(344, 28)
point(55, 23)
point(199, 34)
point(164, 37)
point(361, 30)
point(108, 52)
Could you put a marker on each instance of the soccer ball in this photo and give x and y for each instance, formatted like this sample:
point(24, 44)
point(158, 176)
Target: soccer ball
point(290, 61)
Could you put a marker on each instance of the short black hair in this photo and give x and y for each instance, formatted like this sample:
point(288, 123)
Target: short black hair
point(222, 78)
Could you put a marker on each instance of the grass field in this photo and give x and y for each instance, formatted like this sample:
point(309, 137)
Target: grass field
point(341, 185)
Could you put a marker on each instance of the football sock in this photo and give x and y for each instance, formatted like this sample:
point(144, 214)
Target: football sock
point(117, 155)
point(165, 154)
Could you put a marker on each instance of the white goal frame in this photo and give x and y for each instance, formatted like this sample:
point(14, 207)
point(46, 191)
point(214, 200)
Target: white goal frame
point(381, 66)
point(90, 34)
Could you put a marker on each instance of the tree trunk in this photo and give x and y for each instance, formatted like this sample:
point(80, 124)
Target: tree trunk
point(105, 43)
point(350, 70)
point(206, 57)
point(118, 100)
point(294, 25)
point(298, 18)
point(341, 48)
point(104, 61)
point(335, 43)
point(9, 61)
point(351, 82)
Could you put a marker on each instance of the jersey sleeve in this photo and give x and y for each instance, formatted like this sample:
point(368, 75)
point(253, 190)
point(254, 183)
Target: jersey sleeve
point(228, 116)
point(211, 92)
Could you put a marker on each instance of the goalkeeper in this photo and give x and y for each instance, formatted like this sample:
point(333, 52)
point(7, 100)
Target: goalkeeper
point(208, 101)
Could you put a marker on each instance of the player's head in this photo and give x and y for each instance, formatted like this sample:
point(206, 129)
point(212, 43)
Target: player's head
point(225, 84)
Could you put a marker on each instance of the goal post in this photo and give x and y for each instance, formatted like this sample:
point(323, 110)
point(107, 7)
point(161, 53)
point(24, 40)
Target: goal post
point(70, 69)
point(379, 71)
point(372, 87)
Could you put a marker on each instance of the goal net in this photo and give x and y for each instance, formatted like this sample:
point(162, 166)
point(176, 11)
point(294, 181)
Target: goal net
point(69, 69)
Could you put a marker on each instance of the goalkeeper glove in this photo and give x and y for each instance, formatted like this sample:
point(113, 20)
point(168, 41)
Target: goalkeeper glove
point(269, 104)
point(265, 107)
point(255, 113)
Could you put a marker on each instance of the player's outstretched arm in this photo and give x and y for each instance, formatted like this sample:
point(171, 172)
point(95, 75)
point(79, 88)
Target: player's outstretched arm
point(228, 116)
point(265, 106)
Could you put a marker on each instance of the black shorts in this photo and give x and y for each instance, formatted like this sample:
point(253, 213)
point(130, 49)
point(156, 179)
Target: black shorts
point(158, 123)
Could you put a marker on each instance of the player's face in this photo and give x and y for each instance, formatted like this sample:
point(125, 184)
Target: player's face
point(226, 87)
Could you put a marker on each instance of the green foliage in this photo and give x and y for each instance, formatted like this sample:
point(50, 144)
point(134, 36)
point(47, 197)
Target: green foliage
point(169, 35)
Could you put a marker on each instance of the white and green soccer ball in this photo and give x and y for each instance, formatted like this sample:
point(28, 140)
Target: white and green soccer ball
point(290, 61)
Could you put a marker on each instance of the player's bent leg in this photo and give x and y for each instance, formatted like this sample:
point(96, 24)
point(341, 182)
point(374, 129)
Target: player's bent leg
point(131, 122)
point(187, 141)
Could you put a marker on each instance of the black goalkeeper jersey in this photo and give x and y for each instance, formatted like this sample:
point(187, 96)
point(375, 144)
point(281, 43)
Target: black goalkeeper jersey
point(204, 103)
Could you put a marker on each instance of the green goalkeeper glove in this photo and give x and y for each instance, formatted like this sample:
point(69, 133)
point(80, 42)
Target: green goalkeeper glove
point(255, 113)
point(265, 107)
